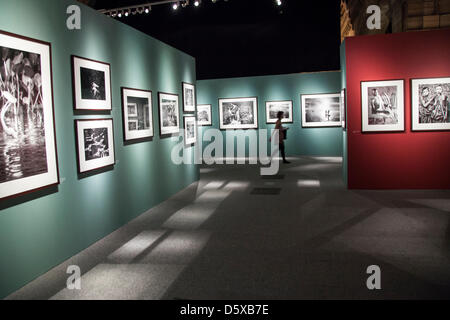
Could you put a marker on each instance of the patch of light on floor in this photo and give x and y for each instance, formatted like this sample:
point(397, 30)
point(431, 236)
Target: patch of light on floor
point(214, 185)
point(194, 215)
point(212, 196)
point(237, 185)
point(207, 170)
point(124, 282)
point(189, 218)
point(180, 247)
point(308, 183)
point(336, 160)
point(134, 247)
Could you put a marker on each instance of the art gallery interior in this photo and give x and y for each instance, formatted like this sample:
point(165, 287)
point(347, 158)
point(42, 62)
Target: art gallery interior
point(93, 120)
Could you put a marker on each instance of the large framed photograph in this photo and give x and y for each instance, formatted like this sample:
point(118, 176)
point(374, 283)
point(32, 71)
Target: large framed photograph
point(190, 130)
point(95, 144)
point(169, 113)
point(343, 108)
point(430, 104)
point(91, 84)
point(204, 115)
point(28, 156)
point(137, 114)
point(189, 97)
point(382, 104)
point(273, 107)
point(321, 110)
point(238, 113)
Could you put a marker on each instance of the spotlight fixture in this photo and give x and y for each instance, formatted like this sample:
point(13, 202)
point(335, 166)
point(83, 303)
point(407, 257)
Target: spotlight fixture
point(175, 5)
point(147, 10)
point(278, 2)
point(197, 3)
point(119, 14)
point(127, 13)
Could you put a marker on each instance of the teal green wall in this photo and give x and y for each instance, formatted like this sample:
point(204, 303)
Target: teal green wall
point(344, 132)
point(43, 229)
point(301, 141)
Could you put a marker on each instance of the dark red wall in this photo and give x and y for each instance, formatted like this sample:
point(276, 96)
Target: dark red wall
point(404, 160)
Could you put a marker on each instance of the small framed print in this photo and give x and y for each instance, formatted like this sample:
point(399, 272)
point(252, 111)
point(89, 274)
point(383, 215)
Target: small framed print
point(137, 114)
point(132, 110)
point(273, 107)
point(204, 115)
point(95, 144)
point(190, 130)
point(382, 104)
point(91, 84)
point(169, 113)
point(430, 104)
point(133, 125)
point(343, 108)
point(321, 110)
point(238, 113)
point(28, 153)
point(189, 97)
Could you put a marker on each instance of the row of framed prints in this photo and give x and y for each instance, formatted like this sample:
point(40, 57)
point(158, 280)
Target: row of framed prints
point(383, 105)
point(318, 110)
point(28, 152)
point(95, 137)
point(95, 141)
point(92, 86)
point(382, 108)
point(92, 91)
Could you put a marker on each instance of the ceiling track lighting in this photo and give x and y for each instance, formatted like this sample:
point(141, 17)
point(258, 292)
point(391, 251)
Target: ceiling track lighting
point(147, 7)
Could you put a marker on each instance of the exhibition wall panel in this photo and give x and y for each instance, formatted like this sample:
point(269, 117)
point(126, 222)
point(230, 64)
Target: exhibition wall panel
point(41, 229)
point(405, 159)
point(301, 141)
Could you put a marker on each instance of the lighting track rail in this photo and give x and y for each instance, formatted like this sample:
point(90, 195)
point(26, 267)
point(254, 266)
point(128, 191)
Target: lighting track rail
point(147, 7)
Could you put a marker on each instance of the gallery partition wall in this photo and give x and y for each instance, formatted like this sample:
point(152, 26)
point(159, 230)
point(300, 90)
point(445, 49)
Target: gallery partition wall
point(280, 92)
point(109, 163)
point(398, 89)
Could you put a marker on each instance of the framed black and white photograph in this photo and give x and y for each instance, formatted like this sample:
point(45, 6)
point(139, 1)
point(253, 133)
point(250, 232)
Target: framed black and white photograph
point(204, 115)
point(137, 113)
point(343, 108)
point(190, 130)
point(382, 104)
point(28, 156)
point(91, 84)
point(430, 104)
point(273, 107)
point(189, 97)
point(169, 113)
point(95, 144)
point(238, 113)
point(321, 110)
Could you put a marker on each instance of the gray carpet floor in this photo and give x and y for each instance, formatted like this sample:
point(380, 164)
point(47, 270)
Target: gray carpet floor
point(297, 235)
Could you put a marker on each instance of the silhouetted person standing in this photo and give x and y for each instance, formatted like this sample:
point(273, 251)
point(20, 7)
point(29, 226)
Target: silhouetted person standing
point(281, 135)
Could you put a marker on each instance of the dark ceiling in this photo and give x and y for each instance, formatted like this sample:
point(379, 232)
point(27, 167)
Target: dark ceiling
point(245, 37)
